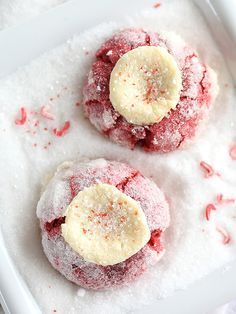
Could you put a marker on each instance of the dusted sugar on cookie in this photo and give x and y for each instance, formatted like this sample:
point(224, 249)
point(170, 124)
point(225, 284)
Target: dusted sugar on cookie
point(149, 90)
point(102, 223)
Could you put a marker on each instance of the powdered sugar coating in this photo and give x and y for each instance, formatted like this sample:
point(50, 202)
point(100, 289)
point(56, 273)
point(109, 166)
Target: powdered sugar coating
point(199, 88)
point(71, 178)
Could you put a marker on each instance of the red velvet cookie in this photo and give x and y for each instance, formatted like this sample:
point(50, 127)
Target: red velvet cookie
point(198, 91)
point(70, 179)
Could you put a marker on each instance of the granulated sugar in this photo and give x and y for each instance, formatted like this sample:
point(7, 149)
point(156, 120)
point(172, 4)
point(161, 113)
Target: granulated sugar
point(194, 245)
point(13, 12)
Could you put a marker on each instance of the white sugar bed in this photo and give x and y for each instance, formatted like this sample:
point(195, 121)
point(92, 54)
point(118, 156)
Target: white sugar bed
point(31, 152)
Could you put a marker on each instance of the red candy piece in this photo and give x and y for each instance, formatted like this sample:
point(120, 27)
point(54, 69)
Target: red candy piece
point(63, 130)
point(225, 235)
point(44, 111)
point(23, 118)
point(209, 209)
point(207, 169)
point(221, 200)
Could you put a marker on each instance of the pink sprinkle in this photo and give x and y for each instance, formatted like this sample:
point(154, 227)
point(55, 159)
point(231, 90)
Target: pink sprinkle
point(232, 152)
point(209, 172)
point(63, 130)
point(209, 208)
point(44, 111)
point(225, 234)
point(221, 200)
point(23, 117)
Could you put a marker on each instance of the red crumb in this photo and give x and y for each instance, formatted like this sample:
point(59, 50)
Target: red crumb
point(36, 123)
point(63, 130)
point(156, 5)
point(23, 117)
point(221, 200)
point(77, 104)
point(209, 208)
point(84, 231)
point(232, 152)
point(225, 234)
point(44, 111)
point(209, 172)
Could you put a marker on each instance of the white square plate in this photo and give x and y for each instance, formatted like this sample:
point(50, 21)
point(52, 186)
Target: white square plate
point(52, 29)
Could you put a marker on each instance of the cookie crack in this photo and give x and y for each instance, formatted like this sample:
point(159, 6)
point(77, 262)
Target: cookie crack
point(53, 227)
point(122, 184)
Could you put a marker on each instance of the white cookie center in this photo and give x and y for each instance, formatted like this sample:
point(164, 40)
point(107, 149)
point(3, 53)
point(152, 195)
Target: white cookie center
point(104, 225)
point(145, 85)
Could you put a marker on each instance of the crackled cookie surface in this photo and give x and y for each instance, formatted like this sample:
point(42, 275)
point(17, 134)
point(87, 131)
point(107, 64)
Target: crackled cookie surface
point(102, 223)
point(148, 89)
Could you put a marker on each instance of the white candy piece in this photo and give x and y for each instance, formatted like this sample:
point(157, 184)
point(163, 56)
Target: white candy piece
point(104, 225)
point(145, 85)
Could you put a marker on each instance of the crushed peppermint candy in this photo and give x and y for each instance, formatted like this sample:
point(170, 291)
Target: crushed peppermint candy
point(63, 130)
point(45, 112)
point(23, 118)
point(208, 170)
point(221, 200)
point(209, 209)
point(225, 235)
